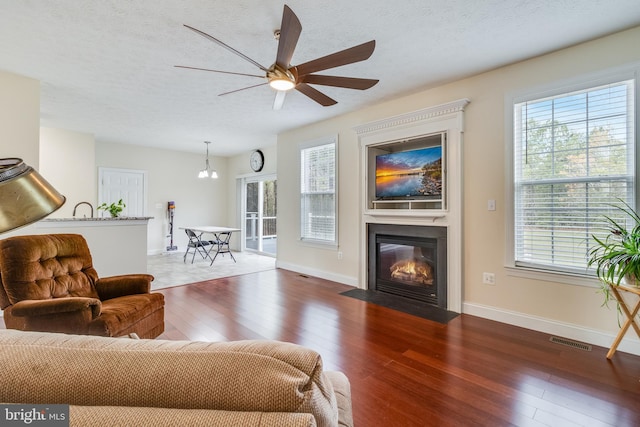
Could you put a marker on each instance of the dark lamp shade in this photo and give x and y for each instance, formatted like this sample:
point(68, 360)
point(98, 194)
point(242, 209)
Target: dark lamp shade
point(25, 196)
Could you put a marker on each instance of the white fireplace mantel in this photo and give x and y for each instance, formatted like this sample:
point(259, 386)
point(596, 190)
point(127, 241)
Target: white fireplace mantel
point(444, 119)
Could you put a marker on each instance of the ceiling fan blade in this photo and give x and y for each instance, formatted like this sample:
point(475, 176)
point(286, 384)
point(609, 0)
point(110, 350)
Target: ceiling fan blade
point(316, 95)
point(290, 30)
point(345, 82)
point(244, 88)
point(218, 71)
point(344, 57)
point(279, 99)
point(226, 46)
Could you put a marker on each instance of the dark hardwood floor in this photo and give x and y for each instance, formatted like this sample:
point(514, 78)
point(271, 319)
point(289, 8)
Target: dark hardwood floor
point(408, 371)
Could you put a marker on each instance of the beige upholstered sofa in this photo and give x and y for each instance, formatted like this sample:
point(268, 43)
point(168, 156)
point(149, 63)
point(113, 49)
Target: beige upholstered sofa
point(129, 382)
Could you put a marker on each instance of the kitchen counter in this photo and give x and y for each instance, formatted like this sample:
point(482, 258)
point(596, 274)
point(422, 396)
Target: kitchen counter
point(106, 218)
point(118, 245)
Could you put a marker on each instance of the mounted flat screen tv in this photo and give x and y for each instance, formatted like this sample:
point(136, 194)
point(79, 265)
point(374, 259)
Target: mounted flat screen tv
point(413, 174)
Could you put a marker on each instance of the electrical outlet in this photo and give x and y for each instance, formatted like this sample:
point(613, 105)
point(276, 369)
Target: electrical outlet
point(339, 254)
point(488, 278)
point(491, 205)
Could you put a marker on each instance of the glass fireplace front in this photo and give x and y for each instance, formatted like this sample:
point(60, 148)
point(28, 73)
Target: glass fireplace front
point(411, 264)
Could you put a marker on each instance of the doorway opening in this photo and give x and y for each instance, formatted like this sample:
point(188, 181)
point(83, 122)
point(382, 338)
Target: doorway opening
point(260, 209)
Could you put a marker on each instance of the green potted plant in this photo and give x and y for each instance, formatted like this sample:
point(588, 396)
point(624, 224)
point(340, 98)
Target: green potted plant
point(617, 256)
point(114, 208)
point(617, 261)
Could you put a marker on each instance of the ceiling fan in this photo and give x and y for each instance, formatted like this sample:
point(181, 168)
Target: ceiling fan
point(282, 76)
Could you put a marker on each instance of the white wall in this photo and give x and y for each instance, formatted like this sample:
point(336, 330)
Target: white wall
point(68, 162)
point(320, 261)
point(552, 306)
point(173, 176)
point(19, 123)
point(19, 118)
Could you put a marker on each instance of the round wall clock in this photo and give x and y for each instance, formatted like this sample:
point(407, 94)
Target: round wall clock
point(256, 161)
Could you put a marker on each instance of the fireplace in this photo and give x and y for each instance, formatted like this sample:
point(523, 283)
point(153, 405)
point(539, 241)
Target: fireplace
point(433, 227)
point(408, 261)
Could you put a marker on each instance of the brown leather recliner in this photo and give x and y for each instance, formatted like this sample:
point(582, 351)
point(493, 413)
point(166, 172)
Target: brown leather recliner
point(49, 284)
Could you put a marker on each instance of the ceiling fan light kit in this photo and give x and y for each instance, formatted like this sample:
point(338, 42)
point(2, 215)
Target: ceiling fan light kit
point(281, 84)
point(282, 76)
point(281, 79)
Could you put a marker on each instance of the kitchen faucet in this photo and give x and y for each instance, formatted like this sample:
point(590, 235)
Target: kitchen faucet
point(86, 203)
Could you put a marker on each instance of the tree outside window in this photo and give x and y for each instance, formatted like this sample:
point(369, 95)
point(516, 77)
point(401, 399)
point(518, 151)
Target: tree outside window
point(318, 192)
point(574, 157)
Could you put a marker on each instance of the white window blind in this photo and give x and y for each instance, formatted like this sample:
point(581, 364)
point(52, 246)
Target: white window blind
point(318, 192)
point(574, 157)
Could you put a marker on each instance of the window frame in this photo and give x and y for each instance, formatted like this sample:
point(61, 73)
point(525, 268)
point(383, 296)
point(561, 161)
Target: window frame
point(556, 88)
point(321, 243)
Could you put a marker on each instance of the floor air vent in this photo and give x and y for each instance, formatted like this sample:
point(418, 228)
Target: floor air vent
point(570, 343)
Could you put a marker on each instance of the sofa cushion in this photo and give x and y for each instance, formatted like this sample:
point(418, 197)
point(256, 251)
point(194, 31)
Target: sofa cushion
point(256, 376)
point(109, 416)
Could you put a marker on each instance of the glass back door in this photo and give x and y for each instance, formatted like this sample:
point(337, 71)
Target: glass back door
point(260, 219)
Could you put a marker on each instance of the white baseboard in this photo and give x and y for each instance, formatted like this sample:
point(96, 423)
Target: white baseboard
point(164, 251)
point(566, 330)
point(346, 280)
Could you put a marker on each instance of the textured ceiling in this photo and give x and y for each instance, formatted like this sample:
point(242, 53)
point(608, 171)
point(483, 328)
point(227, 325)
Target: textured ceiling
point(106, 67)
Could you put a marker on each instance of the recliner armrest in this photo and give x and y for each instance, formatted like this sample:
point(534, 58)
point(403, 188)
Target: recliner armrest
point(127, 284)
point(30, 308)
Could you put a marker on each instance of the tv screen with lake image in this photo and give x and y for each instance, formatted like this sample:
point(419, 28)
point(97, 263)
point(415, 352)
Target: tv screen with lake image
point(410, 174)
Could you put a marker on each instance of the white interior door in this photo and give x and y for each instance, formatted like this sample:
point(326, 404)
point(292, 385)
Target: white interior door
point(126, 184)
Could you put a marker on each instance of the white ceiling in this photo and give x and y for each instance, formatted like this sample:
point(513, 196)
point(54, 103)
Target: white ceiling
point(106, 67)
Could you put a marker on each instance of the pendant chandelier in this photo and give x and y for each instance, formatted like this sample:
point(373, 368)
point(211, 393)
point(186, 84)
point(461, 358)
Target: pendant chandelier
point(204, 173)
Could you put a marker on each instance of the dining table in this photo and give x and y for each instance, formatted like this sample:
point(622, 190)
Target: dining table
point(220, 242)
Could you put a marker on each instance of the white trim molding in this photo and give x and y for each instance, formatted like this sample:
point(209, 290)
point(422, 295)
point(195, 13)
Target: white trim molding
point(566, 330)
point(322, 274)
point(430, 113)
point(445, 119)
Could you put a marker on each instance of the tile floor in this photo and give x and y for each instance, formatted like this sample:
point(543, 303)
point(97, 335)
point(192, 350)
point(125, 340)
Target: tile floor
point(169, 269)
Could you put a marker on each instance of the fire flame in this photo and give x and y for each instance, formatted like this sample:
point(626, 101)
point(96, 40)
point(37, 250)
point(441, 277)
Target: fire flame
point(412, 272)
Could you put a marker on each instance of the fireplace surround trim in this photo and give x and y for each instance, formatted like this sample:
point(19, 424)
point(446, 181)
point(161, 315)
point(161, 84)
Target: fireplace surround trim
point(445, 118)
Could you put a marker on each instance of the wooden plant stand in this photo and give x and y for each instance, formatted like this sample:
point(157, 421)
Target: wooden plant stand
point(630, 314)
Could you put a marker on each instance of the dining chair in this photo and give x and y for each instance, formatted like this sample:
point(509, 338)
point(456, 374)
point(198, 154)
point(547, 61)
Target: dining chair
point(221, 246)
point(196, 245)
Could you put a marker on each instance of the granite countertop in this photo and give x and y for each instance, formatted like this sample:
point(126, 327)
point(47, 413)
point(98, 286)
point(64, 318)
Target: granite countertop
point(120, 218)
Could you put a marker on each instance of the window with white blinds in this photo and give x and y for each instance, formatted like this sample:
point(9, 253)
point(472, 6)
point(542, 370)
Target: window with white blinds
point(318, 191)
point(574, 158)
